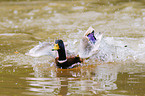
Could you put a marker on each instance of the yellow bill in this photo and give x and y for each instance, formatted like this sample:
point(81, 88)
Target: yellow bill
point(56, 47)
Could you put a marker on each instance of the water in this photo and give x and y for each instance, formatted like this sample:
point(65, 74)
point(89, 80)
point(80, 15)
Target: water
point(118, 69)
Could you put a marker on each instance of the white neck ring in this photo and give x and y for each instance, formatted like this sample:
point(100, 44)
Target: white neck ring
point(62, 61)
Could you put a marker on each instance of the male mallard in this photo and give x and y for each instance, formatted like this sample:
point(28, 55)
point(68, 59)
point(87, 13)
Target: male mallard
point(62, 61)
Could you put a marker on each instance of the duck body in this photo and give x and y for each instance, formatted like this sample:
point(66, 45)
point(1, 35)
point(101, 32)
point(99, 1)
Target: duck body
point(62, 61)
point(70, 62)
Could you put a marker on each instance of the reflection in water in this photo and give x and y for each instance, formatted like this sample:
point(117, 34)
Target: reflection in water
point(64, 88)
point(107, 74)
point(86, 80)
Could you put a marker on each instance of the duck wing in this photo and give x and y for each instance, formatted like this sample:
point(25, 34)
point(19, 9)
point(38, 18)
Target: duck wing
point(42, 49)
point(87, 48)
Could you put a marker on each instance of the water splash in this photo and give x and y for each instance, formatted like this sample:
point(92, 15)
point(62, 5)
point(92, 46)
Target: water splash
point(107, 49)
point(42, 49)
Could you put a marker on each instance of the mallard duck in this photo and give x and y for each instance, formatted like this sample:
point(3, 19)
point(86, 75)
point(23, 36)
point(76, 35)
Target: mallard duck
point(62, 61)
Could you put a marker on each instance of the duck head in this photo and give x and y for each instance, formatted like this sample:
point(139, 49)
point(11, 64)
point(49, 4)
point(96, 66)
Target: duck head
point(59, 46)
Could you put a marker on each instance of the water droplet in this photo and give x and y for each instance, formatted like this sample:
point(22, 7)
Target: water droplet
point(15, 12)
point(16, 26)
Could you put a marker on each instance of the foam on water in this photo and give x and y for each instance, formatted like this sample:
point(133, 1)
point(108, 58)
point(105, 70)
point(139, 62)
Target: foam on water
point(123, 49)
